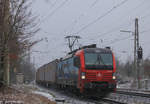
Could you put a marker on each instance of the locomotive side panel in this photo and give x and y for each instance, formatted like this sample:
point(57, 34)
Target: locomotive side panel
point(67, 73)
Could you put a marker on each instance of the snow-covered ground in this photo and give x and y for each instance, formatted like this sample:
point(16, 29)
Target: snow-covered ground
point(70, 99)
point(144, 85)
point(61, 96)
point(47, 95)
point(21, 94)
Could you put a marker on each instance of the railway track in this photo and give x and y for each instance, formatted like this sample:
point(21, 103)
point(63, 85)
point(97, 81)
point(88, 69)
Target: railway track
point(134, 93)
point(125, 97)
point(133, 90)
point(108, 101)
point(120, 97)
point(95, 99)
point(131, 97)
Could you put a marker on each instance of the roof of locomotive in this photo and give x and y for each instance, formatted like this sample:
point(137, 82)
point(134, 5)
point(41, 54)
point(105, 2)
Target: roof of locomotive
point(97, 50)
point(89, 48)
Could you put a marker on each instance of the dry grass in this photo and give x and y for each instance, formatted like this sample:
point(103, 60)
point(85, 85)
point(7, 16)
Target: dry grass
point(10, 94)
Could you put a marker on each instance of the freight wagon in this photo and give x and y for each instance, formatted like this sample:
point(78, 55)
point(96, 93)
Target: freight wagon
point(46, 74)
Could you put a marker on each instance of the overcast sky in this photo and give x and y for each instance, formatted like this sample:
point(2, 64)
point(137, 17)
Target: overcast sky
point(96, 21)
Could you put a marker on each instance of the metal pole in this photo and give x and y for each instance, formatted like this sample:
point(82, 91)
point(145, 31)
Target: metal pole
point(135, 35)
point(137, 47)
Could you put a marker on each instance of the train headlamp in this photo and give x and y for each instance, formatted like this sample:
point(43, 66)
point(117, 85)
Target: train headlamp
point(83, 75)
point(114, 76)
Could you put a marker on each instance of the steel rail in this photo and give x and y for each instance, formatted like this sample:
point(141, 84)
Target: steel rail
point(134, 93)
point(133, 90)
point(107, 100)
point(112, 101)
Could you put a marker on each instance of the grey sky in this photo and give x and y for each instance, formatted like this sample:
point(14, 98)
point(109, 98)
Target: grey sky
point(59, 18)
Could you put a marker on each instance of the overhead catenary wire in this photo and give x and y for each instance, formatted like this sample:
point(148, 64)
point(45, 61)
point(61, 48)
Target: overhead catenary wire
point(53, 4)
point(101, 17)
point(94, 3)
point(115, 29)
point(54, 11)
point(118, 40)
point(106, 32)
point(82, 14)
point(110, 31)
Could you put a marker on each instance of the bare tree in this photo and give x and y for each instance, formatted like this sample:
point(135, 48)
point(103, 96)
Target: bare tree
point(17, 26)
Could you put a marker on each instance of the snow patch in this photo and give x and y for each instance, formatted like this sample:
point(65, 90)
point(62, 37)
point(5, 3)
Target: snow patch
point(45, 94)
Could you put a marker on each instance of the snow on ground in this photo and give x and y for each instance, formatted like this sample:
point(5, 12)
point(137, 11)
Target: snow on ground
point(11, 95)
point(62, 96)
point(47, 95)
point(51, 94)
point(126, 85)
point(145, 85)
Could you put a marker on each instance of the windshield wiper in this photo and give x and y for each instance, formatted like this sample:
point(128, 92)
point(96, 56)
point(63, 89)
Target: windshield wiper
point(102, 61)
point(97, 61)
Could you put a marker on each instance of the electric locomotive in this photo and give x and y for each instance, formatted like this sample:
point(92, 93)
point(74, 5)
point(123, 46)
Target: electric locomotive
point(88, 69)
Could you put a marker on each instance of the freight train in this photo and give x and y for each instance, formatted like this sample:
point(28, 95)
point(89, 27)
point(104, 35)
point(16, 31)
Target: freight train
point(88, 69)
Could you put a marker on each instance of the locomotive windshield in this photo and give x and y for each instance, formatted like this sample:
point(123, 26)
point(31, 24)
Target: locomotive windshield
point(98, 61)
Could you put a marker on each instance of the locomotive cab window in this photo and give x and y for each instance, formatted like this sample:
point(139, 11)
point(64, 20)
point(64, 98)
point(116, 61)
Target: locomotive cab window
point(76, 61)
point(98, 61)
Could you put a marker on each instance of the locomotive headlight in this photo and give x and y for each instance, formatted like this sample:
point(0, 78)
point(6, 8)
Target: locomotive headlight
point(83, 75)
point(113, 76)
